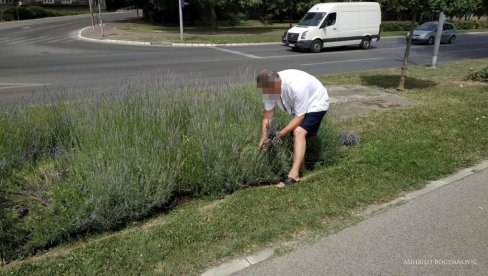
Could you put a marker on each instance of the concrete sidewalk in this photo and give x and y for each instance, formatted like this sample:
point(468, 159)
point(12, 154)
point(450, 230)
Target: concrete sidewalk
point(440, 230)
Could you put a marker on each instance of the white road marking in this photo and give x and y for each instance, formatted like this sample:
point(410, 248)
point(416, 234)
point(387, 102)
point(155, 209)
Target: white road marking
point(236, 52)
point(10, 85)
point(340, 61)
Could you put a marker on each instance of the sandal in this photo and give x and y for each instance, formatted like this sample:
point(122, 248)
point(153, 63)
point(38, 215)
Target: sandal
point(288, 181)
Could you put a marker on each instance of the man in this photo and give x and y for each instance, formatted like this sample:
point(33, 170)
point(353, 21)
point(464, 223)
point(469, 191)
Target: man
point(305, 98)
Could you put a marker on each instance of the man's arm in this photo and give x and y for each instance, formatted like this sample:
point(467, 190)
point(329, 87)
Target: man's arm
point(294, 123)
point(267, 118)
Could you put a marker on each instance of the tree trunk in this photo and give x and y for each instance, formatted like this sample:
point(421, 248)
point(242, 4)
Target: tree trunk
point(401, 84)
point(213, 18)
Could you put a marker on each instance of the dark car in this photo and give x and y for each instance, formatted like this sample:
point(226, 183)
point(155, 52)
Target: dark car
point(426, 32)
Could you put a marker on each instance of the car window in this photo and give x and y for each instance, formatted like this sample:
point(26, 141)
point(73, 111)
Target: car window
point(331, 19)
point(429, 26)
point(447, 27)
point(311, 19)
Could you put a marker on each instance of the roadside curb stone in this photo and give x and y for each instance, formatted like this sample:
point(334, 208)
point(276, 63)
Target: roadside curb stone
point(167, 44)
point(241, 263)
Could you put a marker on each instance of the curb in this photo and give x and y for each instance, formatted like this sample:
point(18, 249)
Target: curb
point(111, 41)
point(239, 264)
point(431, 186)
point(143, 43)
point(244, 262)
point(222, 44)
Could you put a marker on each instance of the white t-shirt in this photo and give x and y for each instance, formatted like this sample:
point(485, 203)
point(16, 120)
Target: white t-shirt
point(300, 93)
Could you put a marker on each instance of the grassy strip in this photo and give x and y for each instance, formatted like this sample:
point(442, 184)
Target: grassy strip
point(250, 31)
point(400, 151)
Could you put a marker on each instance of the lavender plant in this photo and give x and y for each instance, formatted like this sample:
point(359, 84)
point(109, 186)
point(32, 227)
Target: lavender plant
point(349, 139)
point(93, 160)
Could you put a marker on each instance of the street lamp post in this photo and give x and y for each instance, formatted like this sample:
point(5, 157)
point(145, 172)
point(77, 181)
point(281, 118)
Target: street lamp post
point(100, 15)
point(180, 4)
point(437, 41)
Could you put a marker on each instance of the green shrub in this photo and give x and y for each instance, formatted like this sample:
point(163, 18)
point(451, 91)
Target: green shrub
point(480, 75)
point(464, 25)
point(82, 165)
point(391, 26)
point(22, 13)
point(470, 24)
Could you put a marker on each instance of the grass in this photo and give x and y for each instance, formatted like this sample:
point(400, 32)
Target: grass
point(72, 167)
point(250, 31)
point(400, 151)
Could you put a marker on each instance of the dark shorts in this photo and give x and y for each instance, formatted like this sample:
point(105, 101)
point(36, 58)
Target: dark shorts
point(311, 122)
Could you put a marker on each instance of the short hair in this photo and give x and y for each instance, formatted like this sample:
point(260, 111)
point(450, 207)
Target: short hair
point(267, 78)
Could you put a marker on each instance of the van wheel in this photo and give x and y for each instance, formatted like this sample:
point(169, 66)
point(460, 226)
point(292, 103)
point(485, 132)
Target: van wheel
point(316, 46)
point(451, 39)
point(365, 43)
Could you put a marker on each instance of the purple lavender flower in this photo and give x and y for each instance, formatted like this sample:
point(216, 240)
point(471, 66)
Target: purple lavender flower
point(349, 139)
point(59, 173)
point(57, 151)
point(271, 135)
point(34, 152)
point(22, 211)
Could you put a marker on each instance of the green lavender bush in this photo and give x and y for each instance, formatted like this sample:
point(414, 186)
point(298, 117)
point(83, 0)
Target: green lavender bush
point(91, 161)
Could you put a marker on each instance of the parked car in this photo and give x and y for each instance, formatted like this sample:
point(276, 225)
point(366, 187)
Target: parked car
point(425, 33)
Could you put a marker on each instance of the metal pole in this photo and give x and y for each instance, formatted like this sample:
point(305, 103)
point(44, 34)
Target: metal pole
point(181, 19)
point(91, 13)
point(100, 15)
point(437, 41)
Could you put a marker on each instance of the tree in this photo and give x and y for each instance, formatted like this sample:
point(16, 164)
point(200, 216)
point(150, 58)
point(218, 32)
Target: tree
point(393, 6)
point(461, 8)
point(419, 8)
point(481, 8)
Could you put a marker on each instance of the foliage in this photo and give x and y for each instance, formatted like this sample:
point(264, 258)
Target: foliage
point(480, 75)
point(438, 137)
point(392, 26)
point(32, 12)
point(22, 13)
point(470, 24)
point(82, 165)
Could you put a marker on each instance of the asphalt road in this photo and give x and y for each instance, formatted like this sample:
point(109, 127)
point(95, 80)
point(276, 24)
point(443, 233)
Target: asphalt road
point(45, 54)
point(443, 232)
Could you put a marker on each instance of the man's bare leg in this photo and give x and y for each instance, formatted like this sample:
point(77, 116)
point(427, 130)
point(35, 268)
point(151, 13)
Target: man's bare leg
point(299, 147)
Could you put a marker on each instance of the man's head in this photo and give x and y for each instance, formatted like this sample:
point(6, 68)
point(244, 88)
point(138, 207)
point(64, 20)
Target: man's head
point(269, 81)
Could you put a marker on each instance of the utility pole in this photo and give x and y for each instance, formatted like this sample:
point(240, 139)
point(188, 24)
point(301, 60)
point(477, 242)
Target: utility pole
point(91, 13)
point(437, 41)
point(181, 17)
point(100, 15)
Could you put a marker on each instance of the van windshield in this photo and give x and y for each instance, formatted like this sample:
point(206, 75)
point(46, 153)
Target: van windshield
point(311, 19)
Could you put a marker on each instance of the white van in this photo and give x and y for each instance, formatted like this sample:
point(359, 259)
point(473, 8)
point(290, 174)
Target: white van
point(336, 24)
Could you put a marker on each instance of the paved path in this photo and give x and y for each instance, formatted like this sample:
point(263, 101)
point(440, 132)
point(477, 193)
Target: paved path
point(441, 232)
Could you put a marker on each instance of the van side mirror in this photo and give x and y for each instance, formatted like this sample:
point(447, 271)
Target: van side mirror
point(324, 24)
